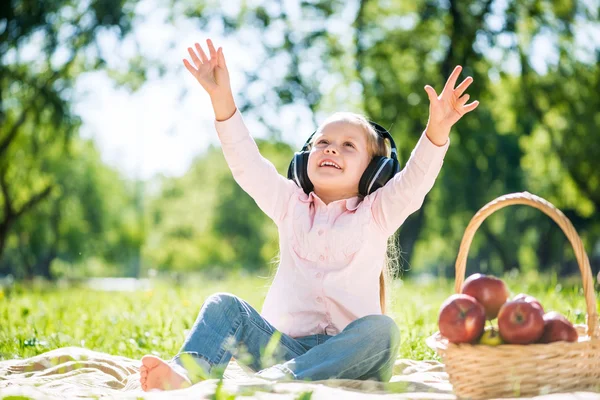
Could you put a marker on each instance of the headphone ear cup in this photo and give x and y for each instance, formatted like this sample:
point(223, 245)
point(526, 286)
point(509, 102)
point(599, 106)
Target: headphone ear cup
point(303, 173)
point(369, 174)
point(298, 171)
point(386, 174)
point(378, 173)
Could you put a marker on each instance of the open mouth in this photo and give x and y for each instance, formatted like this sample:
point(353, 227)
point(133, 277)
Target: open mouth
point(330, 164)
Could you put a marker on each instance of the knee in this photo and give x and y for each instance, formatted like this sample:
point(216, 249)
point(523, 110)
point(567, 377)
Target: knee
point(222, 297)
point(223, 303)
point(385, 329)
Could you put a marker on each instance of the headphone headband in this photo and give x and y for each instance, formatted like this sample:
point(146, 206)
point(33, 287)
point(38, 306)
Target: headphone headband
point(381, 131)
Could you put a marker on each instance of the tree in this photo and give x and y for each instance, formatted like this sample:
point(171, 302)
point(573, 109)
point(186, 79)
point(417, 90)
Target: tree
point(36, 118)
point(89, 218)
point(204, 220)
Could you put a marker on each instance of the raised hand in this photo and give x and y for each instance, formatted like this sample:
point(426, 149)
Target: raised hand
point(211, 72)
point(447, 108)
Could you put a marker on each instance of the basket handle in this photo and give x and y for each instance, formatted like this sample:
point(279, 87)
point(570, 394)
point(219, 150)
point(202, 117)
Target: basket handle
point(562, 221)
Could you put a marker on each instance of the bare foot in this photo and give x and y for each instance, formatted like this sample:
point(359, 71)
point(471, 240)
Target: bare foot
point(156, 373)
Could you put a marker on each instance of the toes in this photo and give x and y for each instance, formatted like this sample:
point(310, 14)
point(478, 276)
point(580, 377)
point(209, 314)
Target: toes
point(151, 361)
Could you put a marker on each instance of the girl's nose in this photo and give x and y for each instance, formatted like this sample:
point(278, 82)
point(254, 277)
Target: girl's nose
point(330, 150)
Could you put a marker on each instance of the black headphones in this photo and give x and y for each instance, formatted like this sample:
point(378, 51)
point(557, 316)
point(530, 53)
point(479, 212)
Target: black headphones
point(379, 171)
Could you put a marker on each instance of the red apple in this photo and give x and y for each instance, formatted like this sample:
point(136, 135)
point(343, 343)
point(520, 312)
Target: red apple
point(489, 291)
point(557, 328)
point(461, 319)
point(520, 322)
point(530, 299)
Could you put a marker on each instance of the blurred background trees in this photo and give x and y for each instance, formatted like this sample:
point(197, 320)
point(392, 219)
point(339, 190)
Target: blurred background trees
point(63, 211)
point(59, 201)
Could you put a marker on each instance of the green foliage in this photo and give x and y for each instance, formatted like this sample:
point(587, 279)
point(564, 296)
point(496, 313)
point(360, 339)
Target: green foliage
point(204, 220)
point(89, 215)
point(58, 203)
point(305, 396)
point(220, 393)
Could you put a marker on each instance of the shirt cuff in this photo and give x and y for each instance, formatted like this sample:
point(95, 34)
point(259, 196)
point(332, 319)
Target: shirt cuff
point(426, 152)
point(232, 130)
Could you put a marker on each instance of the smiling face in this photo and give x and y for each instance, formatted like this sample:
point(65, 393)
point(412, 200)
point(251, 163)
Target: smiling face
point(339, 155)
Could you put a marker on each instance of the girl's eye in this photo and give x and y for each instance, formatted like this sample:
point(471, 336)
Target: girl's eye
point(326, 141)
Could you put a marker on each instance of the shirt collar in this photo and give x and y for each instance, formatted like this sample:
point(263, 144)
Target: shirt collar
point(349, 204)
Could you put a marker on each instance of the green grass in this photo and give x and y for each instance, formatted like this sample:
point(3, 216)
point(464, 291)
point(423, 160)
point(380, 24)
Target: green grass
point(35, 319)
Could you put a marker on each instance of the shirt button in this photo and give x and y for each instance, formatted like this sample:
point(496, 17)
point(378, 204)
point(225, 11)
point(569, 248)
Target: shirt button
point(320, 232)
point(322, 258)
point(319, 299)
point(318, 275)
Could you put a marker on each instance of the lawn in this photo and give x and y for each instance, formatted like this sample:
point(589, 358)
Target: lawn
point(38, 318)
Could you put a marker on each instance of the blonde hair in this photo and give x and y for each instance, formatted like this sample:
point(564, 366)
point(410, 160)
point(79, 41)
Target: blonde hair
point(376, 146)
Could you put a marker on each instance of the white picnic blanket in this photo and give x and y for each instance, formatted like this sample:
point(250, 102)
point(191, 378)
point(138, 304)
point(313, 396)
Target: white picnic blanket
point(74, 372)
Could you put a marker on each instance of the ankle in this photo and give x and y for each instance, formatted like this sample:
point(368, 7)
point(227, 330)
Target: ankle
point(181, 371)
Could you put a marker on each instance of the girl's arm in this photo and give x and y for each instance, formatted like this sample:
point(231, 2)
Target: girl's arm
point(254, 173)
point(405, 192)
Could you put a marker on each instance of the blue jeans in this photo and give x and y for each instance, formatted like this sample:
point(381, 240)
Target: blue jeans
point(228, 326)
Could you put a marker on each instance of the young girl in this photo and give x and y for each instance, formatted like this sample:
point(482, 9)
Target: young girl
point(325, 309)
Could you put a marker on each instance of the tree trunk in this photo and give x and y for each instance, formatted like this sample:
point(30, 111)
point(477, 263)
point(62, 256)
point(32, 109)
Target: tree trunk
point(43, 266)
point(4, 229)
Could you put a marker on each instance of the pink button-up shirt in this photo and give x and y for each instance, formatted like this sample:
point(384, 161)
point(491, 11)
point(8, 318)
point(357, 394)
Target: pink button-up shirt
point(331, 255)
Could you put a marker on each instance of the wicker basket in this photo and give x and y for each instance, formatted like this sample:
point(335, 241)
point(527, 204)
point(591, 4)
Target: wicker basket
point(481, 372)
